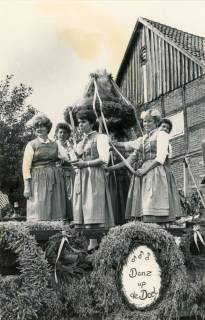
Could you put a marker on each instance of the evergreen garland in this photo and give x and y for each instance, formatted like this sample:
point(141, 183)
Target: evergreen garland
point(74, 260)
point(112, 255)
point(89, 285)
point(73, 272)
point(27, 295)
point(195, 261)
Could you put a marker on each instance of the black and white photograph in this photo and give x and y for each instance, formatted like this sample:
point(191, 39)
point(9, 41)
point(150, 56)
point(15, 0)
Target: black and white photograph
point(102, 160)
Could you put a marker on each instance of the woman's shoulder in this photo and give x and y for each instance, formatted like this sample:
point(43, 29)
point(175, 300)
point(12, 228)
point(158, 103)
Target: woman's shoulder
point(33, 142)
point(102, 137)
point(162, 134)
point(98, 134)
point(54, 142)
point(162, 137)
point(37, 142)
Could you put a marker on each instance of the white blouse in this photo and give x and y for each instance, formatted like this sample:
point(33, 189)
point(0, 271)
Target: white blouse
point(103, 147)
point(66, 153)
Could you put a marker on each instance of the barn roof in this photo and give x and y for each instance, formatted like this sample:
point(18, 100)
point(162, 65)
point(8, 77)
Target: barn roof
point(191, 45)
point(189, 42)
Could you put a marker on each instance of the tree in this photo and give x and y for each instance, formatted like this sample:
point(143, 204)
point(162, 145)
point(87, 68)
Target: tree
point(14, 135)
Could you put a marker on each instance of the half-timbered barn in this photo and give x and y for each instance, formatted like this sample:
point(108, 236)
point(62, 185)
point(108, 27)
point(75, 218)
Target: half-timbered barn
point(164, 68)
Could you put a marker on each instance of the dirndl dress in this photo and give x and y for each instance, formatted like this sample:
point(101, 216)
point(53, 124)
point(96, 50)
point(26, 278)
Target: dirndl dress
point(92, 206)
point(69, 180)
point(48, 190)
point(66, 153)
point(153, 197)
point(118, 183)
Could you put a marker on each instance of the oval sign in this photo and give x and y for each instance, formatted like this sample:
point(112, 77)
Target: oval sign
point(141, 278)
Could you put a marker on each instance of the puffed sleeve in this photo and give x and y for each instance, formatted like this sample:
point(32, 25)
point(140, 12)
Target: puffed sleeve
point(133, 144)
point(27, 161)
point(103, 148)
point(162, 146)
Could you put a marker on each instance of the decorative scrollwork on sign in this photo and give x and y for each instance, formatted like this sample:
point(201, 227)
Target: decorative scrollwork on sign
point(141, 278)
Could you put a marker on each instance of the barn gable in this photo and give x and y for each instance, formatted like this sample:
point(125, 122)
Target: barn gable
point(158, 60)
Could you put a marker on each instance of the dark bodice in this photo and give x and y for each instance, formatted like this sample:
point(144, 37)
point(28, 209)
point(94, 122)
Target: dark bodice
point(87, 148)
point(44, 153)
point(149, 148)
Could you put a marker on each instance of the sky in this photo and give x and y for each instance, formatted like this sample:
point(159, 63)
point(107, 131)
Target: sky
point(54, 45)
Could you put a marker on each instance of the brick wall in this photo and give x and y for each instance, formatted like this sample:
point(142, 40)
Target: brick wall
point(177, 169)
point(173, 102)
point(197, 168)
point(178, 146)
point(195, 90)
point(196, 113)
point(195, 138)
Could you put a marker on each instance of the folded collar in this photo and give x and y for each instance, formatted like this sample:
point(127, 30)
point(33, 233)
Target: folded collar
point(43, 141)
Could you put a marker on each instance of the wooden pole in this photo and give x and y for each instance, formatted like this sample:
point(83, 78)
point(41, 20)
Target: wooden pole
point(185, 180)
point(203, 151)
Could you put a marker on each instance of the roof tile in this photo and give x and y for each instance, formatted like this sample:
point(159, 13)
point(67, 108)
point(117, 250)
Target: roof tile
point(189, 42)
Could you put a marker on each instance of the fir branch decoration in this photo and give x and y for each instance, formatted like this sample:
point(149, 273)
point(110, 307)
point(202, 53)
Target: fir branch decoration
point(46, 226)
point(73, 272)
point(28, 294)
point(194, 256)
point(74, 260)
point(194, 262)
point(112, 255)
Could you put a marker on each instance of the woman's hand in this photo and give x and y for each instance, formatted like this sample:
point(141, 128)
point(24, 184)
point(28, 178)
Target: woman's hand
point(140, 172)
point(70, 162)
point(81, 164)
point(27, 188)
point(27, 193)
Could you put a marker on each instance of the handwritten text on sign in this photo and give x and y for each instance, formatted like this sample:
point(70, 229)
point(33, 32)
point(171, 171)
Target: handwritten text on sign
point(141, 277)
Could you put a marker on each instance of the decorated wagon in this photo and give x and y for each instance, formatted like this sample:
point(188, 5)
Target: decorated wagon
point(140, 271)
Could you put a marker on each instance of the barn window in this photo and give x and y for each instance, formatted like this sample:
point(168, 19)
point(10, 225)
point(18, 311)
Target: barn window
point(143, 55)
point(178, 124)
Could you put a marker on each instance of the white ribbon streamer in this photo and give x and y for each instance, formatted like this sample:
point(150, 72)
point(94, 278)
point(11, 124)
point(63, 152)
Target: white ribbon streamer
point(96, 95)
point(63, 240)
point(197, 235)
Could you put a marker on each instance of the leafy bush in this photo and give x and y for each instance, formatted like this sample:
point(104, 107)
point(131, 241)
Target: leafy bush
point(14, 136)
point(191, 205)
